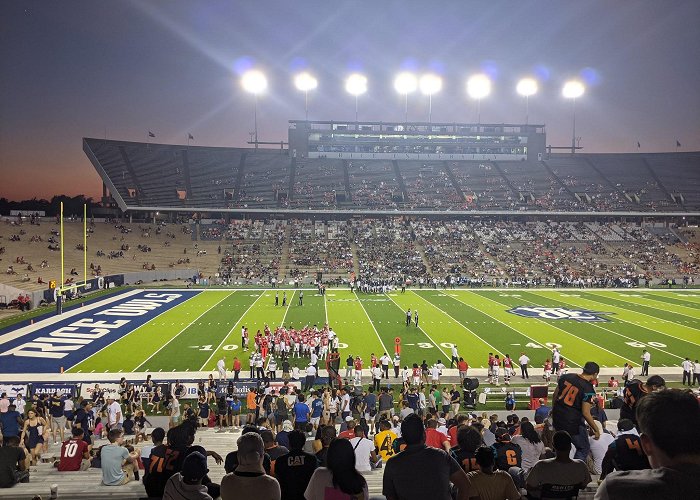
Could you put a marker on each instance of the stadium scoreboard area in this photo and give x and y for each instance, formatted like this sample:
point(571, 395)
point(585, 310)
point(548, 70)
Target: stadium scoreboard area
point(416, 141)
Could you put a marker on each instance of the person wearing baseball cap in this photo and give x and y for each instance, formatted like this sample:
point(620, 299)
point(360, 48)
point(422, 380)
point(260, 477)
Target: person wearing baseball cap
point(188, 482)
point(572, 407)
point(635, 391)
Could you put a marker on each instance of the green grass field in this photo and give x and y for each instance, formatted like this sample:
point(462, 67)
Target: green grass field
point(195, 334)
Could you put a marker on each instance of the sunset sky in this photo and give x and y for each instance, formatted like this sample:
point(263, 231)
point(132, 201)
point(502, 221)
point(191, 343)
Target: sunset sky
point(83, 68)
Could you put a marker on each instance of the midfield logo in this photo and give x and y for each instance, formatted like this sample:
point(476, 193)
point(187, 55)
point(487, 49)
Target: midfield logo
point(584, 315)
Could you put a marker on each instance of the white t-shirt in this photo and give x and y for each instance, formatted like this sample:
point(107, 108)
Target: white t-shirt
point(598, 449)
point(523, 360)
point(435, 373)
point(310, 371)
point(68, 404)
point(687, 366)
point(345, 402)
point(321, 479)
point(531, 452)
point(19, 405)
point(221, 366)
point(112, 411)
point(363, 448)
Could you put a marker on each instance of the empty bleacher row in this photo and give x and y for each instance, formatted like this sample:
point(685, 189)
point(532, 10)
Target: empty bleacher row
point(156, 175)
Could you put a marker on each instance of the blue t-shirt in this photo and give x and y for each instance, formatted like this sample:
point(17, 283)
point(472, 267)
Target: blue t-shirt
point(235, 406)
point(371, 401)
point(203, 410)
point(412, 400)
point(300, 412)
point(10, 427)
point(316, 408)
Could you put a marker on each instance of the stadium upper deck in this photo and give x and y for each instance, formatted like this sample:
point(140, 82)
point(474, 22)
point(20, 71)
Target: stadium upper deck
point(146, 177)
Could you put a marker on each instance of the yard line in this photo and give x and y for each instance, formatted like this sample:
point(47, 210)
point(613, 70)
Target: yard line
point(639, 324)
point(132, 331)
point(231, 330)
point(645, 314)
point(370, 322)
point(621, 299)
point(289, 304)
point(325, 307)
point(449, 316)
point(634, 324)
point(178, 333)
point(512, 328)
point(565, 331)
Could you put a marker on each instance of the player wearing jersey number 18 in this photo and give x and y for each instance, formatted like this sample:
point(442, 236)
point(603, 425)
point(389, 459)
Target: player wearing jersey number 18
point(572, 407)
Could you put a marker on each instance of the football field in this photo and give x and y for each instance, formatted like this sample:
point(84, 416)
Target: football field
point(190, 330)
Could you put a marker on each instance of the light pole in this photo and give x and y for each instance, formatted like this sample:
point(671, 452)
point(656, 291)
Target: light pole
point(254, 81)
point(405, 83)
point(356, 84)
point(572, 90)
point(305, 82)
point(527, 87)
point(478, 87)
point(430, 84)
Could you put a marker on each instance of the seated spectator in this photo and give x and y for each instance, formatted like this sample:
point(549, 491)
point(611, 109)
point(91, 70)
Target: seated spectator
point(363, 447)
point(249, 481)
point(599, 447)
point(562, 471)
point(272, 449)
point(157, 437)
point(339, 478)
point(294, 470)
point(74, 453)
point(117, 462)
point(625, 452)
point(507, 453)
point(670, 436)
point(468, 441)
point(532, 450)
point(487, 482)
point(13, 464)
point(437, 469)
point(10, 423)
point(434, 438)
point(187, 484)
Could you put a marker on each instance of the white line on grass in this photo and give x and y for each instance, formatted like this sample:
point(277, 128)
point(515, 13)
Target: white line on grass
point(231, 330)
point(565, 331)
point(185, 328)
point(424, 332)
point(644, 304)
point(370, 321)
point(132, 331)
point(638, 323)
point(289, 304)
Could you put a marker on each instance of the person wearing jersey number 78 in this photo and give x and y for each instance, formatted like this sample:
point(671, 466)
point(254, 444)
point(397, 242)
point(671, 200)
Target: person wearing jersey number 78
point(572, 407)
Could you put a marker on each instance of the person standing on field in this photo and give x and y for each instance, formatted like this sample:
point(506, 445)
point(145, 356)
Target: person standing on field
point(646, 358)
point(524, 361)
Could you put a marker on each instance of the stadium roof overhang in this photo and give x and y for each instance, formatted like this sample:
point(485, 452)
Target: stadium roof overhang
point(426, 213)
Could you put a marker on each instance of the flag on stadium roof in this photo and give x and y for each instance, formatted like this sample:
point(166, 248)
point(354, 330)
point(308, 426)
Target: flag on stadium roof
point(151, 134)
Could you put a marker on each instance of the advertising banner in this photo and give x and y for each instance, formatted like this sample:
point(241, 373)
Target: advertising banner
point(69, 390)
point(13, 389)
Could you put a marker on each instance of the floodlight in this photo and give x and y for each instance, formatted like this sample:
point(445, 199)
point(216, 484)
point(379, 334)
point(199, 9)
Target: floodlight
point(254, 81)
point(430, 84)
point(478, 86)
point(527, 87)
point(356, 84)
point(573, 89)
point(305, 82)
point(405, 83)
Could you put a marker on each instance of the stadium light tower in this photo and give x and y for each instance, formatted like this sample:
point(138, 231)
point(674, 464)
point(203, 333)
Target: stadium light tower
point(478, 87)
point(527, 87)
point(573, 89)
point(356, 84)
point(406, 83)
point(254, 81)
point(430, 84)
point(305, 82)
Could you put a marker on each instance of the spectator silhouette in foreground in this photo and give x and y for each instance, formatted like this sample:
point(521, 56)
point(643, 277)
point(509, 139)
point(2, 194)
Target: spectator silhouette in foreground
point(249, 481)
point(670, 437)
point(563, 472)
point(421, 472)
point(339, 477)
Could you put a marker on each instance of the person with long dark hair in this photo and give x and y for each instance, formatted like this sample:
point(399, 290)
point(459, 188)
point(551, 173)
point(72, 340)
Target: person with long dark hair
point(532, 448)
point(339, 475)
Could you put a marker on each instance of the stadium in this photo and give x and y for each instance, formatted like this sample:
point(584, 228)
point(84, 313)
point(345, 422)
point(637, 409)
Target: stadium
point(410, 246)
